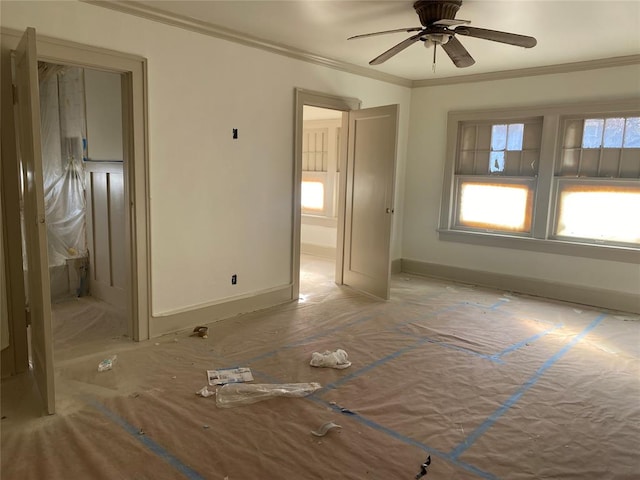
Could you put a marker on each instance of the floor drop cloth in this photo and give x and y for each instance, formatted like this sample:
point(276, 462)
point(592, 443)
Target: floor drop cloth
point(492, 385)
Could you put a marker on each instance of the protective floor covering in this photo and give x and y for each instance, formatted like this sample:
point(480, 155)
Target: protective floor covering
point(83, 323)
point(492, 385)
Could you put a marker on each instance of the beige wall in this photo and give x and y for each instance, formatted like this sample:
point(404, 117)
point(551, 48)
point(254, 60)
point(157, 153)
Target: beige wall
point(425, 167)
point(221, 206)
point(218, 206)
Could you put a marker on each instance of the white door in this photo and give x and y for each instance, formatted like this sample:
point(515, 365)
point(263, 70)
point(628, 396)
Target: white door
point(371, 160)
point(26, 69)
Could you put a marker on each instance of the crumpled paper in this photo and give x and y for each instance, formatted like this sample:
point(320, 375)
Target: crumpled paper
point(338, 359)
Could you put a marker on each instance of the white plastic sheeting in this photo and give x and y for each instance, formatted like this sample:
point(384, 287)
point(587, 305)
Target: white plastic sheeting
point(63, 128)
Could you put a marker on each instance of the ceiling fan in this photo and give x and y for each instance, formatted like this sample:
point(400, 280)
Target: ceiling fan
point(439, 27)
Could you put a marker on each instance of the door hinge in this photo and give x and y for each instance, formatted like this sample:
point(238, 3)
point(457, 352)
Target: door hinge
point(14, 93)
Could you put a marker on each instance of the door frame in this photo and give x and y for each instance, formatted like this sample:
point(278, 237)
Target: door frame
point(334, 102)
point(133, 70)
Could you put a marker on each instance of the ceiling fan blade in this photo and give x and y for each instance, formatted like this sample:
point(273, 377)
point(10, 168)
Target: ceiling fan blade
point(408, 30)
point(457, 53)
point(497, 36)
point(445, 22)
point(395, 49)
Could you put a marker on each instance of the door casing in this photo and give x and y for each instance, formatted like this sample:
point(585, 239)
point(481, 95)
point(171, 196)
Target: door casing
point(317, 99)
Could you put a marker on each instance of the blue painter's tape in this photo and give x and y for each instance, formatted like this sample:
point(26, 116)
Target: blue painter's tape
point(344, 326)
point(371, 366)
point(392, 433)
point(499, 303)
point(524, 342)
point(148, 442)
point(470, 440)
point(407, 440)
point(264, 355)
point(324, 333)
point(376, 426)
point(493, 358)
point(308, 339)
point(465, 350)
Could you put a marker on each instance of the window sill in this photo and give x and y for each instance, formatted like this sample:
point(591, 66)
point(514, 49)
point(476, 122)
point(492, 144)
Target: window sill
point(319, 220)
point(558, 247)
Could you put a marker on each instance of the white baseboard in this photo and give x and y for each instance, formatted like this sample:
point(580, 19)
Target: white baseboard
point(318, 250)
point(596, 297)
point(161, 325)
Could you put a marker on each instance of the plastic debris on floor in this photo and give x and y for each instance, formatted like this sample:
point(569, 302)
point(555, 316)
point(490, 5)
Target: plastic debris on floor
point(338, 359)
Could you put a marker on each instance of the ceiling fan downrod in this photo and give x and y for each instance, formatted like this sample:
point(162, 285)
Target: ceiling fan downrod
point(433, 66)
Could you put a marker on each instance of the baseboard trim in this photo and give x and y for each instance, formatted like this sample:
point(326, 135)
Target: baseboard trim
point(318, 250)
point(396, 266)
point(595, 297)
point(162, 325)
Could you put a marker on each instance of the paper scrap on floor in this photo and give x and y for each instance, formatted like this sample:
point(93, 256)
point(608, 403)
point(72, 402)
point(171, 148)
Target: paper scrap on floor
point(229, 375)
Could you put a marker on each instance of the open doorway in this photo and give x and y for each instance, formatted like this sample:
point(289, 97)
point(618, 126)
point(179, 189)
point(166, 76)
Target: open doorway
point(365, 191)
point(321, 170)
point(84, 200)
point(22, 148)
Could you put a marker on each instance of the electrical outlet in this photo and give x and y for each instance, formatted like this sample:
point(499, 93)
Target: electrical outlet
point(234, 279)
point(235, 133)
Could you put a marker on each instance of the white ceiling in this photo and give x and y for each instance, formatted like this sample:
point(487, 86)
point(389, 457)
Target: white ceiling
point(567, 31)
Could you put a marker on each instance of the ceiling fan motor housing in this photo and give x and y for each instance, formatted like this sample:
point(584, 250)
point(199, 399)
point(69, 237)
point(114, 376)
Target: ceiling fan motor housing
point(431, 11)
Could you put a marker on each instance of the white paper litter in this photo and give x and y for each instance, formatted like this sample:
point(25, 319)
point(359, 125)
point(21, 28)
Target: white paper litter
point(337, 359)
point(229, 375)
point(107, 364)
point(204, 392)
point(324, 429)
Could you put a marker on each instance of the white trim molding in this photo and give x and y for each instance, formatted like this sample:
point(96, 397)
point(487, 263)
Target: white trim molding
point(532, 71)
point(171, 322)
point(595, 297)
point(206, 28)
point(541, 237)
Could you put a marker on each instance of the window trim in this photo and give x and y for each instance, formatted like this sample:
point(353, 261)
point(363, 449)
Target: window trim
point(544, 211)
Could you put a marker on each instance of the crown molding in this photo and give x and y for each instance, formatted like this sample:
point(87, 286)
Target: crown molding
point(533, 71)
point(205, 28)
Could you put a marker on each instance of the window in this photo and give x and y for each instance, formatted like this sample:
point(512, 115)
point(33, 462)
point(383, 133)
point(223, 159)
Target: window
point(495, 206)
point(599, 212)
point(495, 175)
point(600, 147)
point(320, 140)
point(602, 153)
point(313, 195)
point(555, 179)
